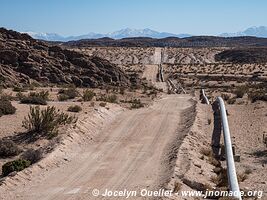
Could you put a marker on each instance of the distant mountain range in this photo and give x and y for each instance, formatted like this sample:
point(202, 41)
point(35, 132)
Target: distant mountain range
point(124, 33)
point(260, 31)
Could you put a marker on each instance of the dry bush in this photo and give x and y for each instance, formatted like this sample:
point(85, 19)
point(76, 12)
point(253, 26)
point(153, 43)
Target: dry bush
point(88, 95)
point(8, 149)
point(47, 121)
point(103, 104)
point(108, 98)
point(242, 177)
point(36, 98)
point(231, 100)
point(225, 96)
point(257, 95)
point(240, 91)
point(136, 103)
point(6, 107)
point(69, 93)
point(19, 89)
point(32, 155)
point(75, 108)
point(177, 187)
point(206, 152)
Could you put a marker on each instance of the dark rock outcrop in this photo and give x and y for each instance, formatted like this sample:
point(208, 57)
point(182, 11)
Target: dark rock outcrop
point(24, 59)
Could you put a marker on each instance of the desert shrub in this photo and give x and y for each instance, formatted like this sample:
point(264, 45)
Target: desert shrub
point(136, 103)
point(70, 93)
point(18, 89)
point(122, 90)
point(88, 95)
point(225, 96)
point(257, 95)
point(20, 96)
point(63, 97)
point(112, 98)
point(75, 108)
point(15, 165)
point(6, 107)
point(32, 155)
point(240, 91)
point(33, 100)
point(108, 98)
point(242, 177)
point(102, 104)
point(47, 121)
point(8, 149)
point(231, 100)
point(36, 98)
point(177, 187)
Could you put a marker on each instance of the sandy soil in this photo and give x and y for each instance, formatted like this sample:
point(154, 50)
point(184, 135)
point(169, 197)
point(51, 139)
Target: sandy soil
point(247, 124)
point(122, 155)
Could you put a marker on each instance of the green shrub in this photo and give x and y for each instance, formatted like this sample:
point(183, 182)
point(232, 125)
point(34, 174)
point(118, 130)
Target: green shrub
point(69, 93)
point(15, 165)
point(75, 108)
point(88, 95)
point(47, 121)
point(6, 107)
point(36, 98)
point(8, 149)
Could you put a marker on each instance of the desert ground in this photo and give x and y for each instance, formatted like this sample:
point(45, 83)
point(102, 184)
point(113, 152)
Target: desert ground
point(150, 136)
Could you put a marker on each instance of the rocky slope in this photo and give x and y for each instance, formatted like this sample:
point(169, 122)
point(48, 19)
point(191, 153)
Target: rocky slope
point(25, 60)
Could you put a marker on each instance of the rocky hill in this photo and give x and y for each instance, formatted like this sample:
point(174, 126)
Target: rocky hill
point(247, 55)
point(24, 60)
point(195, 41)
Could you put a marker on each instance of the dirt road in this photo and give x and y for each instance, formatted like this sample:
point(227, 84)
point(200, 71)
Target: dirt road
point(131, 152)
point(151, 71)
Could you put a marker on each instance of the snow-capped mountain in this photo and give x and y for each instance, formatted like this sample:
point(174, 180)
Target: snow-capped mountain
point(124, 33)
point(260, 31)
point(46, 36)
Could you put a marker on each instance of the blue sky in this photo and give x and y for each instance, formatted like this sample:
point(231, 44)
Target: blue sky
point(76, 17)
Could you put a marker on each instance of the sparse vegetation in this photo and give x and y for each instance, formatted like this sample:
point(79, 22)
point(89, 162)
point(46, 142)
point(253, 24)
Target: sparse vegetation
point(46, 122)
point(36, 98)
point(69, 93)
point(240, 91)
point(136, 103)
point(177, 187)
point(88, 95)
point(15, 165)
point(231, 100)
point(75, 108)
point(18, 89)
point(108, 98)
point(257, 95)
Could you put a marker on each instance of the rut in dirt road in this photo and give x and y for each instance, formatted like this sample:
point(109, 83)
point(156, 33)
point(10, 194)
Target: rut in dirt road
point(130, 153)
